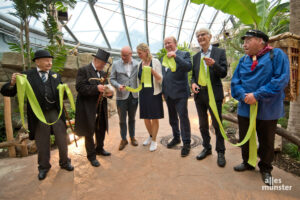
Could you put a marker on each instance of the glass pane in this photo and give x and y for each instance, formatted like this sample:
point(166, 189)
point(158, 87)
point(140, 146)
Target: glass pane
point(135, 19)
point(189, 23)
point(110, 16)
point(156, 9)
point(174, 17)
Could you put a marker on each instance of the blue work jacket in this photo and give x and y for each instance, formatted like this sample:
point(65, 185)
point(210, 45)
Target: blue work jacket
point(267, 82)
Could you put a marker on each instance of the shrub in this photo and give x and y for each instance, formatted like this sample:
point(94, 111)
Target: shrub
point(292, 150)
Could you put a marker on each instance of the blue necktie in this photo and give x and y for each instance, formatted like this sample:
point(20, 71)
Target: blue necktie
point(44, 78)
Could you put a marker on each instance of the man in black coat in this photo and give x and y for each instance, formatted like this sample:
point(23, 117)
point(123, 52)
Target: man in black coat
point(44, 83)
point(214, 59)
point(176, 92)
point(91, 115)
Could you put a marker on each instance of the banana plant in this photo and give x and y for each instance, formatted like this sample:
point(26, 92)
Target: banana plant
point(244, 10)
point(259, 15)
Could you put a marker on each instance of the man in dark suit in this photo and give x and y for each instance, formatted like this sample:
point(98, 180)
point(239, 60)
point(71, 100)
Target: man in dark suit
point(91, 114)
point(44, 83)
point(214, 59)
point(176, 92)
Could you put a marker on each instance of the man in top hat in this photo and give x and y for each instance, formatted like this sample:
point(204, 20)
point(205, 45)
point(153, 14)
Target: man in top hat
point(261, 76)
point(44, 83)
point(91, 114)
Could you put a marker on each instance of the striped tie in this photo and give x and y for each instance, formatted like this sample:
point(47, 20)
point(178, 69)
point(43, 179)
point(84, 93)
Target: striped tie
point(44, 78)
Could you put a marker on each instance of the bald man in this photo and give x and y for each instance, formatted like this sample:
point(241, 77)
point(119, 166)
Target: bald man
point(124, 73)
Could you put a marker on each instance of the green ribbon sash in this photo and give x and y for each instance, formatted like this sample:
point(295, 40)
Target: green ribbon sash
point(146, 79)
point(251, 133)
point(202, 75)
point(169, 63)
point(24, 89)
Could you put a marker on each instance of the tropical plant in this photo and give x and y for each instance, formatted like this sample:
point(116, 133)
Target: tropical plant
point(273, 20)
point(16, 47)
point(60, 56)
point(52, 28)
point(25, 10)
point(244, 10)
point(51, 25)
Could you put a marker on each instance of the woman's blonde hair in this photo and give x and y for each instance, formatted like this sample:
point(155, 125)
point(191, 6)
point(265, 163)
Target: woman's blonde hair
point(145, 48)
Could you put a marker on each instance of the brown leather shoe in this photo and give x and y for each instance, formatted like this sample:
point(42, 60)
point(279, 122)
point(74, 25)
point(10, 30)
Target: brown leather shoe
point(123, 144)
point(134, 142)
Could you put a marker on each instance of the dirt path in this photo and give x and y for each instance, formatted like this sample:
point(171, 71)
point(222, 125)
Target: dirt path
point(137, 174)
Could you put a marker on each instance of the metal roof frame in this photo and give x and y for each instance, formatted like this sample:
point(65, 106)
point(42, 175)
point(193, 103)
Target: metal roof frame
point(124, 23)
point(146, 22)
point(181, 21)
point(92, 3)
point(199, 15)
point(165, 22)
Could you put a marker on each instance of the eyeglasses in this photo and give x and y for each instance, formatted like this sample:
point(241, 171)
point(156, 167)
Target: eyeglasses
point(201, 34)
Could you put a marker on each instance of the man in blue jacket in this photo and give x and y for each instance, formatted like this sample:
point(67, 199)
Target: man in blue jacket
point(176, 92)
point(261, 76)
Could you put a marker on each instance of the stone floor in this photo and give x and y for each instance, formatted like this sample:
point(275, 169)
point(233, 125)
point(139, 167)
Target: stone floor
point(138, 174)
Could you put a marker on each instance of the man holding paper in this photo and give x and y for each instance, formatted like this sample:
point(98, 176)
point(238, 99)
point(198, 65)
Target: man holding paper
point(211, 63)
point(176, 65)
point(44, 83)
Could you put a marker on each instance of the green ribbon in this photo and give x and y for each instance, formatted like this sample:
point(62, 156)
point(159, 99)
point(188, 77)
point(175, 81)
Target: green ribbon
point(24, 89)
point(251, 133)
point(202, 75)
point(146, 79)
point(169, 63)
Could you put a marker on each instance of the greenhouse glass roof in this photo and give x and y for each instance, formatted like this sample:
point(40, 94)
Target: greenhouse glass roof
point(112, 24)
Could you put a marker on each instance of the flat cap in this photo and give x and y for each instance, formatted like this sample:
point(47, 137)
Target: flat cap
point(256, 33)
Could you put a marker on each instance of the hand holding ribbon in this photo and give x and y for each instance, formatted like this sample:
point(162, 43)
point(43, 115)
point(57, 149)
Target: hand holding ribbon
point(24, 89)
point(145, 79)
point(251, 133)
point(169, 63)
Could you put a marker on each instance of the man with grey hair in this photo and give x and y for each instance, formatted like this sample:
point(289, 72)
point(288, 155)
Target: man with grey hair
point(124, 73)
point(214, 62)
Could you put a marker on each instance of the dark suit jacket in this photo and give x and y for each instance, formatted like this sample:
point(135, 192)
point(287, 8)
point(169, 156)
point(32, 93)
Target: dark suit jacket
point(217, 71)
point(175, 84)
point(85, 116)
point(39, 90)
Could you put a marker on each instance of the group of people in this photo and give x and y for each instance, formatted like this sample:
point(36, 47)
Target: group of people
point(260, 78)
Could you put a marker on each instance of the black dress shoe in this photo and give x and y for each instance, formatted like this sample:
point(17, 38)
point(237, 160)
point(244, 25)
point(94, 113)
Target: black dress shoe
point(185, 150)
point(173, 143)
point(243, 167)
point(205, 152)
point(103, 153)
point(221, 160)
point(95, 163)
point(267, 178)
point(42, 174)
point(67, 167)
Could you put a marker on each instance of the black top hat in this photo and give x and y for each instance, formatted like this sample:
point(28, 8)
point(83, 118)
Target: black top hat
point(41, 54)
point(102, 55)
point(256, 33)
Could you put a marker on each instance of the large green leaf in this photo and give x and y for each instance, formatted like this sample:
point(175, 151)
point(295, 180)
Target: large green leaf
point(279, 8)
point(245, 10)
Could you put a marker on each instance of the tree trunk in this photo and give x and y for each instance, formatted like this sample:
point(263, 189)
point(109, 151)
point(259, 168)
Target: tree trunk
point(22, 44)
point(294, 122)
point(27, 43)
